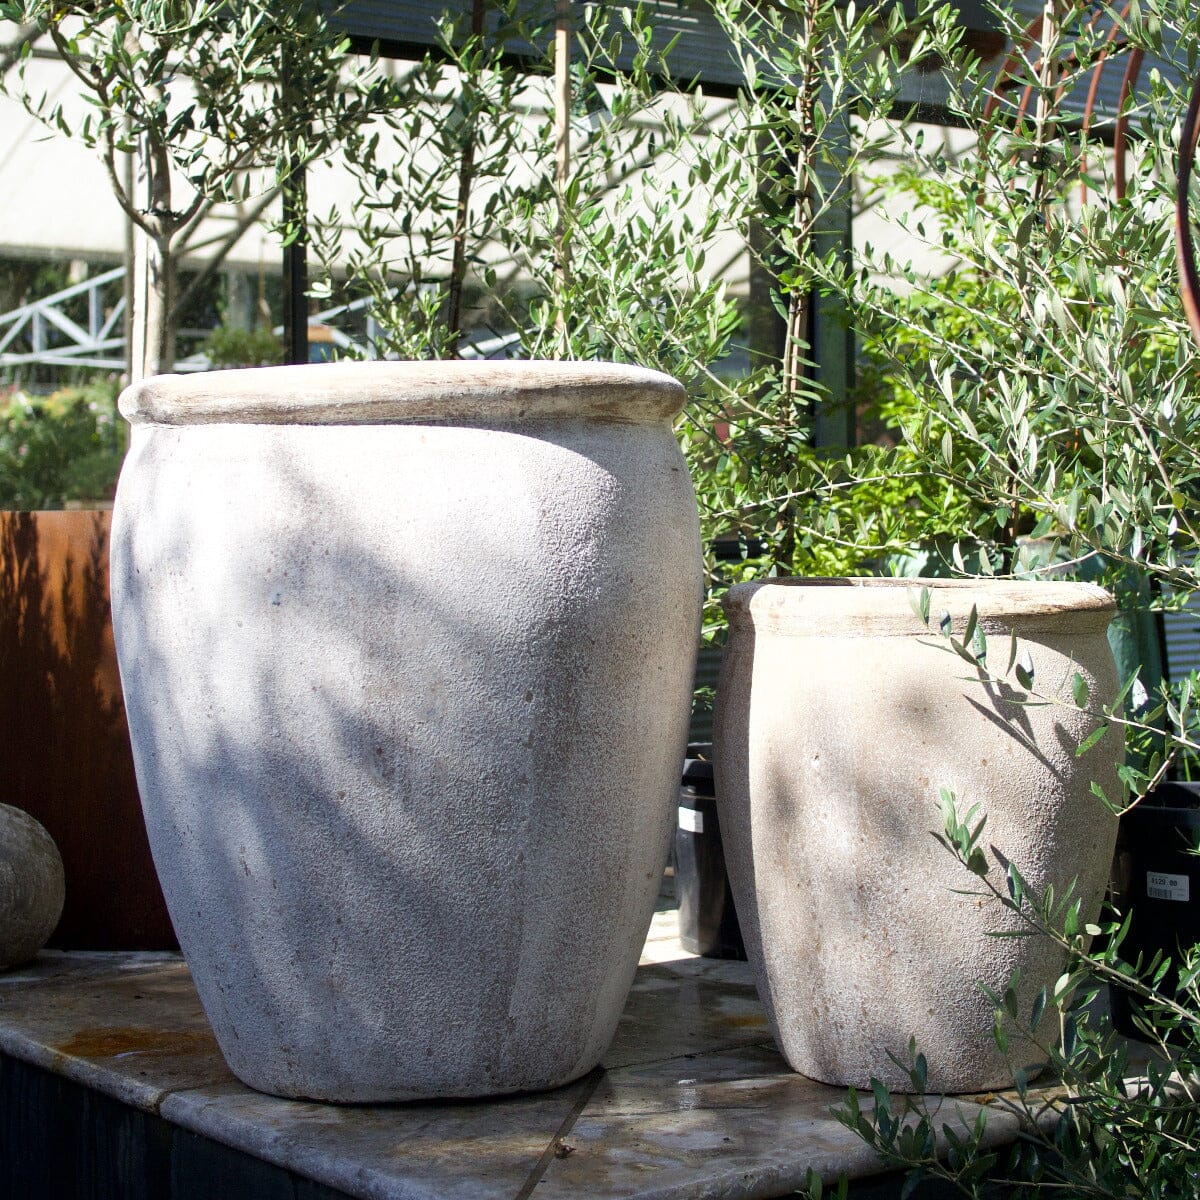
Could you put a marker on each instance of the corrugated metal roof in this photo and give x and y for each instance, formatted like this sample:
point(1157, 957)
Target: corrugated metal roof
point(1181, 630)
point(702, 52)
point(412, 27)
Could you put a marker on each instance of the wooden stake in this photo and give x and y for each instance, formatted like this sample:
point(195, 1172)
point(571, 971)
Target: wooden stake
point(562, 149)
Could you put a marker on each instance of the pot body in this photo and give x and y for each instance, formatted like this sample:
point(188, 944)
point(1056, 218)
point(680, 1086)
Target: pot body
point(407, 655)
point(840, 717)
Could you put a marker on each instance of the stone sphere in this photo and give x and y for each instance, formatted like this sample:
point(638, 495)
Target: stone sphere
point(32, 886)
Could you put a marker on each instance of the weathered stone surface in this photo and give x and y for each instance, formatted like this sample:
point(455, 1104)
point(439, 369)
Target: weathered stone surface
point(839, 718)
point(694, 1101)
point(32, 887)
point(410, 672)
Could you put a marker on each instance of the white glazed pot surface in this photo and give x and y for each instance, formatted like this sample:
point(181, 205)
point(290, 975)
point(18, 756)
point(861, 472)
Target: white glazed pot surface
point(407, 652)
point(839, 718)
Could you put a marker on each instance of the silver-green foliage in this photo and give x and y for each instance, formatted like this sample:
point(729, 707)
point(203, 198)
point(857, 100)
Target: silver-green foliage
point(819, 77)
point(1049, 375)
point(463, 227)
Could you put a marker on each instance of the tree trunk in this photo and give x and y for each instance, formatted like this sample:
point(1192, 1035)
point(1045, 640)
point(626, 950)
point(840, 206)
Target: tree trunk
point(160, 327)
point(152, 327)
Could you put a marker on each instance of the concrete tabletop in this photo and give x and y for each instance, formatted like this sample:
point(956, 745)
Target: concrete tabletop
point(693, 1100)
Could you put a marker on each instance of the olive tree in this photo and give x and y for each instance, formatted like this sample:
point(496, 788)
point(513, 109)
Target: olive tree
point(1048, 378)
point(210, 101)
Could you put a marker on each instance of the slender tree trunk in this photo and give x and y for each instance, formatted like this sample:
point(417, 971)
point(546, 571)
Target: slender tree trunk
point(151, 322)
point(796, 349)
point(1049, 71)
point(133, 303)
point(160, 319)
point(154, 280)
point(796, 339)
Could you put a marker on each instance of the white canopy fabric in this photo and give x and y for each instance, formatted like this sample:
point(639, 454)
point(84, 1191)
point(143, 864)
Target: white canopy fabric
point(55, 198)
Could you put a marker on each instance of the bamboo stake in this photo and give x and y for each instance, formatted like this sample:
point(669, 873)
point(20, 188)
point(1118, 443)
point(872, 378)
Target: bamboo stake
point(466, 179)
point(562, 155)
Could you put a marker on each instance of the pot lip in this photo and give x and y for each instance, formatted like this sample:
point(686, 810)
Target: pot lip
point(874, 606)
point(480, 391)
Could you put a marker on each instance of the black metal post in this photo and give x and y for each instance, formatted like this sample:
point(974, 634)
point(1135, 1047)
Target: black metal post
point(295, 271)
point(295, 252)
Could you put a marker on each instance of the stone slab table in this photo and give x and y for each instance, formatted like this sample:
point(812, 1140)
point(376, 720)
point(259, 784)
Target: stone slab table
point(692, 1101)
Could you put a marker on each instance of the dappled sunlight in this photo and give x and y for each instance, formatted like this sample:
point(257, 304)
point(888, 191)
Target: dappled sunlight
point(394, 727)
point(869, 930)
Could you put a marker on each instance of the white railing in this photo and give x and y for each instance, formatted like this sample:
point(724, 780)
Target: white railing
point(55, 339)
point(49, 337)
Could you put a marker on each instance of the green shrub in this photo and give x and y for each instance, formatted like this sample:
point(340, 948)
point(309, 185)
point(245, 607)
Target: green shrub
point(228, 347)
point(59, 448)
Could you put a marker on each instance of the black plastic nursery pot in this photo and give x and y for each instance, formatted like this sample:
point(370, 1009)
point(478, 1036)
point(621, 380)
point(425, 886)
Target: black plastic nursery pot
point(708, 923)
point(1156, 878)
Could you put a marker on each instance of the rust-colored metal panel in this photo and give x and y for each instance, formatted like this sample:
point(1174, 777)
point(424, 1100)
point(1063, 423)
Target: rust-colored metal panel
point(64, 745)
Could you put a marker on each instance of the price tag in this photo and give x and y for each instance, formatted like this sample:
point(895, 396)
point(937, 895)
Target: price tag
point(1160, 886)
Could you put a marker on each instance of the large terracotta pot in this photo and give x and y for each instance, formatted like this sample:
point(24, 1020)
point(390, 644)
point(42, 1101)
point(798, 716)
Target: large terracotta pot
point(407, 653)
point(839, 718)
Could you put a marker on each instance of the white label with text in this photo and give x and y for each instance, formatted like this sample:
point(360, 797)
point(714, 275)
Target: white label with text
point(1160, 886)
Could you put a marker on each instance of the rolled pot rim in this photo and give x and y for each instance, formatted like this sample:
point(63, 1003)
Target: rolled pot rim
point(874, 606)
point(479, 391)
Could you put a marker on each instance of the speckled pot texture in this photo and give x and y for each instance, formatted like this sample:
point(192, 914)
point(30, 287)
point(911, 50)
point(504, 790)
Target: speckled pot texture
point(407, 654)
point(839, 718)
point(32, 887)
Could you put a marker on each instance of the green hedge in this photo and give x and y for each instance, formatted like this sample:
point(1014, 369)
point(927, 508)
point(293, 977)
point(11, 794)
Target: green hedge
point(60, 448)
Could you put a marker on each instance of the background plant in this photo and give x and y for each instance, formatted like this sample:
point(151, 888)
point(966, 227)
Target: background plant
point(228, 346)
point(465, 230)
point(1050, 377)
point(820, 78)
point(59, 448)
